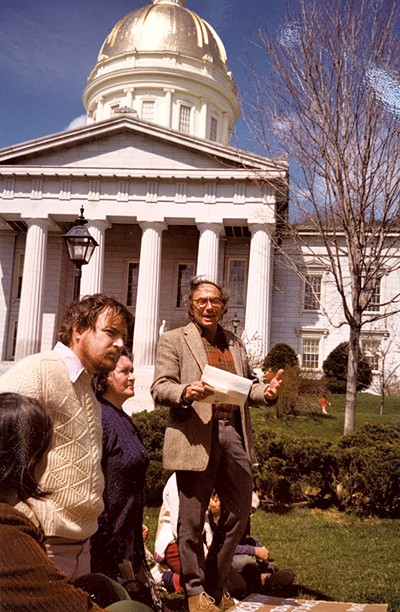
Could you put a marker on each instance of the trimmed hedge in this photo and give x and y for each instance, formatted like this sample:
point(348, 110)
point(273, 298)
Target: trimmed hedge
point(359, 473)
point(368, 471)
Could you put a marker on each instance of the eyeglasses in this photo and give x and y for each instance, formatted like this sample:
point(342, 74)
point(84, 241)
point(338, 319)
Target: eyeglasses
point(202, 302)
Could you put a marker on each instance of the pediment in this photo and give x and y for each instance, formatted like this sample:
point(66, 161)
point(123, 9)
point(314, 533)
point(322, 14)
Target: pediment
point(127, 143)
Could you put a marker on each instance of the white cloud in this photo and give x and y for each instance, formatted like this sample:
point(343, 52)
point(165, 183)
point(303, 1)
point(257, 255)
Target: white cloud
point(77, 122)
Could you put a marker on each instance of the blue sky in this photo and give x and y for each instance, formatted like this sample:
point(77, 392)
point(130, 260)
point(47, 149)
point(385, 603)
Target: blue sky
point(48, 48)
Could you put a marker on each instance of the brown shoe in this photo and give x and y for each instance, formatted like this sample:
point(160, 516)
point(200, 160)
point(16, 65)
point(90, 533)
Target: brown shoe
point(202, 603)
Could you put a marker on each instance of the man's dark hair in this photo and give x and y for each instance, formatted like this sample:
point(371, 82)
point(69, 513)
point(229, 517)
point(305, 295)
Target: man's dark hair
point(83, 314)
point(100, 381)
point(26, 432)
point(195, 283)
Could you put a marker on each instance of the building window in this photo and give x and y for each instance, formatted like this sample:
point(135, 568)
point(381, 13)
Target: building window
point(310, 353)
point(312, 292)
point(148, 110)
point(184, 118)
point(19, 275)
point(371, 349)
point(213, 129)
point(237, 281)
point(185, 274)
point(132, 283)
point(375, 301)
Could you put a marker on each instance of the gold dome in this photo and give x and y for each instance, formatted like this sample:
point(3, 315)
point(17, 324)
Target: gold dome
point(165, 26)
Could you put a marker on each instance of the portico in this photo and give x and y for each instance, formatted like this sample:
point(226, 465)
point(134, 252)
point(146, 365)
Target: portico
point(196, 209)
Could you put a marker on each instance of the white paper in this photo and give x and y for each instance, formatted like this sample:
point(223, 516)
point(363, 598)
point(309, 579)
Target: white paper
point(228, 388)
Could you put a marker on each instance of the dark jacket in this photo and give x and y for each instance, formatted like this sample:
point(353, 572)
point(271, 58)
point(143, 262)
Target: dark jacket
point(29, 580)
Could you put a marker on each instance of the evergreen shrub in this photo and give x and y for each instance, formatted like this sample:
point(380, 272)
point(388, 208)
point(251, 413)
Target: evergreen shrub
point(151, 425)
point(368, 471)
point(292, 469)
point(280, 356)
point(335, 370)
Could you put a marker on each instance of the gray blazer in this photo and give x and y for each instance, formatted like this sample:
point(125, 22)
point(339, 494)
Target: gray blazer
point(180, 361)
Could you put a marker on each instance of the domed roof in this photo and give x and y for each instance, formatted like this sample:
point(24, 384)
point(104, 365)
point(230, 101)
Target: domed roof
point(165, 25)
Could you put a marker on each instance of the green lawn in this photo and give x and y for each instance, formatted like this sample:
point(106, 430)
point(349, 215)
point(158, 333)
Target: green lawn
point(335, 556)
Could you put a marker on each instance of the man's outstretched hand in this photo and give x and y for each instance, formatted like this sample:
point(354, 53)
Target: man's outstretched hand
point(274, 387)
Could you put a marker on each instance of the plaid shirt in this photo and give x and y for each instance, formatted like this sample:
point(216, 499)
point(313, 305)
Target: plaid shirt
point(219, 356)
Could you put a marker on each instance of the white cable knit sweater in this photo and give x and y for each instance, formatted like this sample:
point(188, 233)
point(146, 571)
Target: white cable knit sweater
point(73, 473)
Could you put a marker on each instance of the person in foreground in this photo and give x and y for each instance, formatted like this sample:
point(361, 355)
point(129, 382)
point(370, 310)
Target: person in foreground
point(208, 446)
point(119, 538)
point(29, 580)
point(92, 335)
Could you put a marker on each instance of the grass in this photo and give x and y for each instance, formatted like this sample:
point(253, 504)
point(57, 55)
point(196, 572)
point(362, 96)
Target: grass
point(335, 556)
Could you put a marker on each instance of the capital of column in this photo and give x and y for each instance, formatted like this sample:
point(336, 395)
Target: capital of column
point(158, 226)
point(42, 222)
point(202, 226)
point(256, 226)
point(100, 224)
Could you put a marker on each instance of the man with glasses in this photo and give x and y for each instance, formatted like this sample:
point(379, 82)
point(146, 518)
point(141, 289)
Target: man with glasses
point(209, 446)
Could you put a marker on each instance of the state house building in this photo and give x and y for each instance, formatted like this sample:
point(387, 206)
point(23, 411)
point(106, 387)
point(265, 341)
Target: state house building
point(166, 197)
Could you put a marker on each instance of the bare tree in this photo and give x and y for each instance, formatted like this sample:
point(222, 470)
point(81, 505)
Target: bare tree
point(330, 99)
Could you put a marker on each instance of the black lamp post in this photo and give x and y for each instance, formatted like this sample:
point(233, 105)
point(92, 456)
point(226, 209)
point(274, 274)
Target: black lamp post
point(80, 245)
point(235, 323)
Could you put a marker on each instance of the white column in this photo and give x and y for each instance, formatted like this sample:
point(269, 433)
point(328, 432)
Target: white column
point(168, 108)
point(259, 282)
point(203, 119)
point(148, 295)
point(92, 274)
point(207, 257)
point(129, 97)
point(100, 109)
point(225, 129)
point(31, 305)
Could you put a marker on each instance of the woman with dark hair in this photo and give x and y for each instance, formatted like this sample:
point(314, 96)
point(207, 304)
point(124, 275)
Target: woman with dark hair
point(117, 548)
point(26, 432)
point(29, 580)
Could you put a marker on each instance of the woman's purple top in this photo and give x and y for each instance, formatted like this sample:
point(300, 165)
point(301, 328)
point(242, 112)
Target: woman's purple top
point(124, 464)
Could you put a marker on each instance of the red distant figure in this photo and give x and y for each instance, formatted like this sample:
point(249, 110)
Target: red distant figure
point(323, 402)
